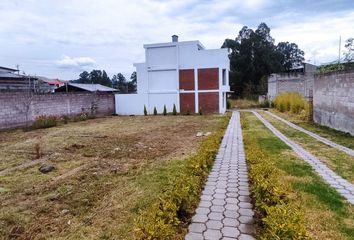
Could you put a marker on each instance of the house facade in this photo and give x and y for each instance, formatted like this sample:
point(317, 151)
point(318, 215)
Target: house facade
point(184, 74)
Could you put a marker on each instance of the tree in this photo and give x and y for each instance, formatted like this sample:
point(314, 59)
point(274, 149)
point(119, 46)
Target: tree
point(84, 77)
point(133, 83)
point(120, 82)
point(349, 54)
point(253, 57)
point(96, 77)
point(290, 55)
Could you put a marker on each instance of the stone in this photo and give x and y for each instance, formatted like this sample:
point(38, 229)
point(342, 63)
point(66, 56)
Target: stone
point(213, 224)
point(230, 232)
point(46, 168)
point(199, 134)
point(197, 227)
point(212, 234)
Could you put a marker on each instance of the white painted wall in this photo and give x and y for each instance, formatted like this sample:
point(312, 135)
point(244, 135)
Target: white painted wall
point(158, 100)
point(161, 57)
point(162, 81)
point(128, 104)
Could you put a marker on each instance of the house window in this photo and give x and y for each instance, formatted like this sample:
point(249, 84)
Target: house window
point(224, 77)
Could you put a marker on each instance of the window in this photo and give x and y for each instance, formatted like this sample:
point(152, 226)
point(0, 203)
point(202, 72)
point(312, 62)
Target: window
point(224, 77)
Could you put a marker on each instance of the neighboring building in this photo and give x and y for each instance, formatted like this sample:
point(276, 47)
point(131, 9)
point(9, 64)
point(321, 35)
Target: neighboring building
point(84, 87)
point(180, 73)
point(11, 80)
point(298, 79)
point(53, 83)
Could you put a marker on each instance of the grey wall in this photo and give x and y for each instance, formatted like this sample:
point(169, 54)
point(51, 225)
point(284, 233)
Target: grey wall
point(333, 100)
point(20, 108)
point(290, 82)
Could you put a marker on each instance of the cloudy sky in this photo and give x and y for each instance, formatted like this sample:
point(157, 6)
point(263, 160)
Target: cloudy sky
point(61, 38)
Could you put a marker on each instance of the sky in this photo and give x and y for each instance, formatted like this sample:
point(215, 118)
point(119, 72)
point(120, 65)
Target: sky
point(62, 38)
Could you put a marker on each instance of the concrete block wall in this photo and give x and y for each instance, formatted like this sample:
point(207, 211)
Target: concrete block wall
point(20, 108)
point(333, 100)
point(292, 82)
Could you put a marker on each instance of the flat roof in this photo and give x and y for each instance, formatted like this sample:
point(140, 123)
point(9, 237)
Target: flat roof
point(10, 69)
point(170, 44)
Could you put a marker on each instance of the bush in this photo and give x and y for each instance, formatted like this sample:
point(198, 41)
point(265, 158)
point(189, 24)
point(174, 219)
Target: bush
point(200, 111)
point(44, 121)
point(145, 111)
point(174, 111)
point(280, 217)
point(166, 217)
point(155, 111)
point(292, 102)
point(66, 119)
point(265, 104)
point(228, 104)
point(164, 110)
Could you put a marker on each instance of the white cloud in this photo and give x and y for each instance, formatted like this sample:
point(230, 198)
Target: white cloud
point(76, 62)
point(112, 32)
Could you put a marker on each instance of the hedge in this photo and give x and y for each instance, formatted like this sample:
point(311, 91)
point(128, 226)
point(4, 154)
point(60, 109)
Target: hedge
point(167, 216)
point(280, 217)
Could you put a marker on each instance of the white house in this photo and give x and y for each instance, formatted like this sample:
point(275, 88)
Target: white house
point(181, 73)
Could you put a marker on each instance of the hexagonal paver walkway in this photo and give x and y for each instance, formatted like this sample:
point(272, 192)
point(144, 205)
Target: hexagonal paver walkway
point(225, 210)
point(343, 187)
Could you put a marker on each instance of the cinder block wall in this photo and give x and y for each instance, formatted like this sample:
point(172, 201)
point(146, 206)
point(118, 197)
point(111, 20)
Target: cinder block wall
point(20, 108)
point(333, 100)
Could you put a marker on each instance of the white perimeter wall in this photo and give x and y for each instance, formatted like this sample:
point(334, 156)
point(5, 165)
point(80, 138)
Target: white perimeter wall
point(127, 104)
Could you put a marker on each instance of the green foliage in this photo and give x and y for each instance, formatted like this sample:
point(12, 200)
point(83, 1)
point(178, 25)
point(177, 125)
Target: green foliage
point(174, 110)
point(254, 56)
point(44, 121)
point(145, 111)
point(292, 102)
point(265, 104)
point(170, 212)
point(155, 111)
point(66, 119)
point(164, 110)
point(228, 104)
point(280, 217)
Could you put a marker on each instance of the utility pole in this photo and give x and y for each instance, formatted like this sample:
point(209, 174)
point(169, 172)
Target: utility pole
point(340, 42)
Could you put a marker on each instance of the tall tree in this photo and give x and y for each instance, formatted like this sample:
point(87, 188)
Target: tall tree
point(133, 83)
point(349, 54)
point(84, 77)
point(253, 57)
point(120, 82)
point(290, 55)
point(95, 76)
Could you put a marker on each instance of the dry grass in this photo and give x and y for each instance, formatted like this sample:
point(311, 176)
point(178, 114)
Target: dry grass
point(243, 104)
point(96, 188)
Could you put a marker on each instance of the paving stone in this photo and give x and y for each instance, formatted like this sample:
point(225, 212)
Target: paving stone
point(197, 227)
point(245, 237)
point(230, 232)
point(213, 224)
point(220, 202)
point(212, 234)
point(204, 204)
point(200, 218)
point(217, 209)
point(230, 222)
point(215, 216)
point(202, 210)
point(194, 236)
point(246, 228)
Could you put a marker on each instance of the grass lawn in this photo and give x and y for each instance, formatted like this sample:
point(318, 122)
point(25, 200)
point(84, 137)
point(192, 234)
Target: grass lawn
point(338, 161)
point(327, 214)
point(106, 170)
point(342, 138)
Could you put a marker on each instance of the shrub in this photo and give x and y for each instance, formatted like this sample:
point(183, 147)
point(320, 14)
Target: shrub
point(164, 218)
point(174, 110)
point(265, 104)
point(292, 102)
point(155, 111)
point(44, 121)
point(66, 119)
point(145, 111)
point(164, 110)
point(228, 104)
point(280, 217)
point(200, 110)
